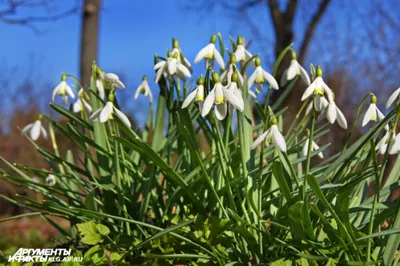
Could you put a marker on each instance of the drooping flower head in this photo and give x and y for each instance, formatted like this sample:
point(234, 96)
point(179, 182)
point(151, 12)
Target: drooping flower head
point(260, 76)
point(144, 89)
point(82, 104)
point(197, 94)
point(373, 113)
point(271, 136)
point(395, 96)
point(210, 53)
point(294, 70)
point(317, 89)
point(314, 146)
point(332, 112)
point(181, 58)
point(63, 89)
point(50, 180)
point(35, 129)
point(394, 147)
point(241, 53)
point(170, 68)
point(107, 81)
point(226, 76)
point(108, 111)
point(234, 88)
point(220, 96)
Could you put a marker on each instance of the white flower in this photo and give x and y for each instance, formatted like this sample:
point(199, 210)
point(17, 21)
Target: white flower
point(318, 88)
point(395, 95)
point(50, 180)
point(294, 69)
point(197, 94)
point(176, 49)
point(272, 135)
point(100, 88)
point(373, 113)
point(241, 53)
point(113, 79)
point(105, 113)
point(259, 77)
point(233, 88)
point(63, 89)
point(220, 96)
point(314, 146)
point(226, 76)
point(394, 144)
point(171, 67)
point(333, 112)
point(81, 103)
point(144, 89)
point(35, 129)
point(210, 53)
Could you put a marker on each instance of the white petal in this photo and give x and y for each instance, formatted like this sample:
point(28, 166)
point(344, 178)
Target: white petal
point(260, 139)
point(122, 116)
point(100, 88)
point(160, 71)
point(252, 94)
point(77, 106)
point(316, 147)
point(308, 91)
point(138, 90)
point(159, 64)
point(239, 53)
point(380, 115)
point(304, 75)
point(368, 114)
point(327, 90)
point(271, 80)
point(317, 103)
point(35, 131)
point(202, 53)
point(324, 102)
point(95, 115)
point(106, 112)
point(392, 98)
point(208, 103)
point(43, 131)
point(184, 70)
point(55, 91)
point(219, 58)
point(27, 127)
point(331, 113)
point(251, 79)
point(221, 110)
point(309, 107)
point(305, 147)
point(341, 119)
point(171, 66)
point(189, 99)
point(69, 91)
point(234, 99)
point(292, 70)
point(284, 78)
point(87, 106)
point(278, 138)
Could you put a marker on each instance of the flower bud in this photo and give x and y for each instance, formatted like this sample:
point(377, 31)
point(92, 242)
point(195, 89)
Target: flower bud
point(319, 71)
point(63, 77)
point(200, 80)
point(169, 54)
point(213, 38)
point(374, 100)
point(240, 40)
point(111, 97)
point(257, 61)
point(144, 77)
point(40, 117)
point(273, 120)
point(175, 43)
point(215, 77)
point(232, 59)
point(235, 76)
point(294, 56)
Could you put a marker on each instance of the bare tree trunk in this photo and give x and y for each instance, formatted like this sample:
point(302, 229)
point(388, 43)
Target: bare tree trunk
point(89, 37)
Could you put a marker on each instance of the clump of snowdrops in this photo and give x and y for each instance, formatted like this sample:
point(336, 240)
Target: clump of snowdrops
point(205, 183)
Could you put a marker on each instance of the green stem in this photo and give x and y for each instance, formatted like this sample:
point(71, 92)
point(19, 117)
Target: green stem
point(308, 162)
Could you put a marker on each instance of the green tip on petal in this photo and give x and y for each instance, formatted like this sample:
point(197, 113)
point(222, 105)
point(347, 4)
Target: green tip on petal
point(294, 56)
point(111, 97)
point(232, 58)
point(319, 71)
point(213, 38)
point(40, 117)
point(200, 80)
point(175, 43)
point(258, 61)
point(144, 77)
point(273, 120)
point(240, 40)
point(235, 76)
point(215, 77)
point(374, 99)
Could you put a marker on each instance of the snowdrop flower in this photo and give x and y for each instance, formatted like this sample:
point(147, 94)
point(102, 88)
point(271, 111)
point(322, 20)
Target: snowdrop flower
point(226, 76)
point(35, 129)
point(50, 180)
point(171, 67)
point(318, 88)
point(144, 89)
point(220, 96)
point(259, 77)
point(63, 89)
point(81, 103)
point(333, 113)
point(210, 53)
point(197, 95)
point(294, 69)
point(395, 95)
point(241, 53)
point(177, 49)
point(324, 103)
point(272, 135)
point(100, 88)
point(314, 146)
point(394, 144)
point(233, 88)
point(105, 113)
point(104, 79)
point(373, 113)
